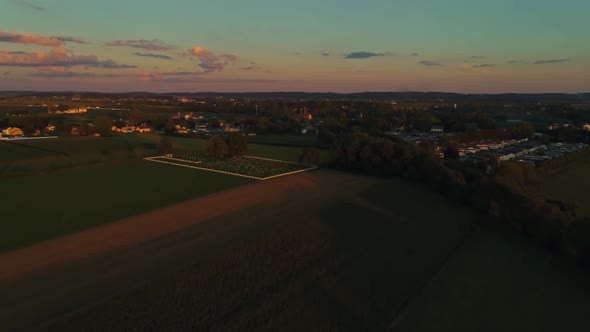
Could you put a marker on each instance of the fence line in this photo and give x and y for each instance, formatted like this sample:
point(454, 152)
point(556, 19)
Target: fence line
point(183, 160)
point(156, 159)
point(276, 160)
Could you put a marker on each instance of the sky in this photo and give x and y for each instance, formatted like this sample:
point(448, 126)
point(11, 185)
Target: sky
point(466, 46)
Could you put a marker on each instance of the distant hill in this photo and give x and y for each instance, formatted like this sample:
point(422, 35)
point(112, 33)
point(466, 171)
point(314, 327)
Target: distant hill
point(362, 96)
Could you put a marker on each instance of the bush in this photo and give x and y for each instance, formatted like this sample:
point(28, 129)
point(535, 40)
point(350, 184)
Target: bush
point(165, 146)
point(310, 156)
point(216, 147)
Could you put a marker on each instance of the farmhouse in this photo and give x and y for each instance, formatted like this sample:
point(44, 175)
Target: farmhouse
point(144, 128)
point(128, 129)
point(12, 132)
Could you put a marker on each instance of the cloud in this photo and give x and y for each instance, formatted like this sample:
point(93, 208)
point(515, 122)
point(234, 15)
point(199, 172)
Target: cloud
point(70, 74)
point(28, 38)
point(415, 54)
point(32, 5)
point(550, 61)
point(56, 57)
point(326, 54)
point(148, 45)
point(196, 77)
point(539, 62)
point(428, 63)
point(6, 73)
point(482, 69)
point(478, 57)
point(71, 40)
point(362, 55)
point(253, 66)
point(155, 56)
point(211, 62)
point(180, 73)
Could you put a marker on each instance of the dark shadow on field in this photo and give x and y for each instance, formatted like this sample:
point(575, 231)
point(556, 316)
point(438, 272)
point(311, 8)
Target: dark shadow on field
point(332, 262)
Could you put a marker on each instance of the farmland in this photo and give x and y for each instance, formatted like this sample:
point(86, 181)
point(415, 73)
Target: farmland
point(325, 256)
point(245, 166)
point(40, 207)
point(572, 185)
point(499, 282)
point(357, 255)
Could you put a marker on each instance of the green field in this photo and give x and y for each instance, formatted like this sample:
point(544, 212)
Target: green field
point(390, 256)
point(339, 263)
point(76, 146)
point(571, 185)
point(42, 207)
point(500, 282)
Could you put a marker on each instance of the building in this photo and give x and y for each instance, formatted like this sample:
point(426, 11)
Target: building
point(437, 129)
point(144, 128)
point(13, 132)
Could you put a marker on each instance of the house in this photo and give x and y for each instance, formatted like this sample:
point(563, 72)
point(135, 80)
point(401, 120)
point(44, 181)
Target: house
point(12, 132)
point(75, 130)
point(144, 128)
point(587, 127)
point(128, 129)
point(78, 110)
point(201, 128)
point(231, 129)
point(437, 129)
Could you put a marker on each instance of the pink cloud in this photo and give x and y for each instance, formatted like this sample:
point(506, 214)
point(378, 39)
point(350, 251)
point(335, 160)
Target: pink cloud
point(28, 38)
point(56, 57)
point(211, 62)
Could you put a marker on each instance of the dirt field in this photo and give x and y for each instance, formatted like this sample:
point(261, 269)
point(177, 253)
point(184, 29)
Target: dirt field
point(140, 229)
point(44, 282)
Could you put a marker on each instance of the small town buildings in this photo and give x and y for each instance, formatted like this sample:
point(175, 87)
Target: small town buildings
point(143, 128)
point(13, 132)
point(437, 129)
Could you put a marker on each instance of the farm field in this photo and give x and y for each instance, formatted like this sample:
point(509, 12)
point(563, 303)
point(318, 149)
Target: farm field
point(41, 207)
point(340, 262)
point(286, 140)
point(501, 282)
point(572, 185)
point(246, 166)
point(72, 146)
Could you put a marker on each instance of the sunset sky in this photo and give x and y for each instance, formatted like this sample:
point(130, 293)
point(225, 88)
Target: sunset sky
point(472, 46)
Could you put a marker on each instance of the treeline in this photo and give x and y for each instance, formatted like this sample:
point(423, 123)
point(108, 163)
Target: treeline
point(507, 195)
point(521, 130)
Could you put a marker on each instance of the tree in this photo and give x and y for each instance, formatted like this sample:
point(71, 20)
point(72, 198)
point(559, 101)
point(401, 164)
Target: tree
point(522, 130)
point(103, 126)
point(165, 146)
point(136, 117)
point(310, 156)
point(216, 147)
point(237, 145)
